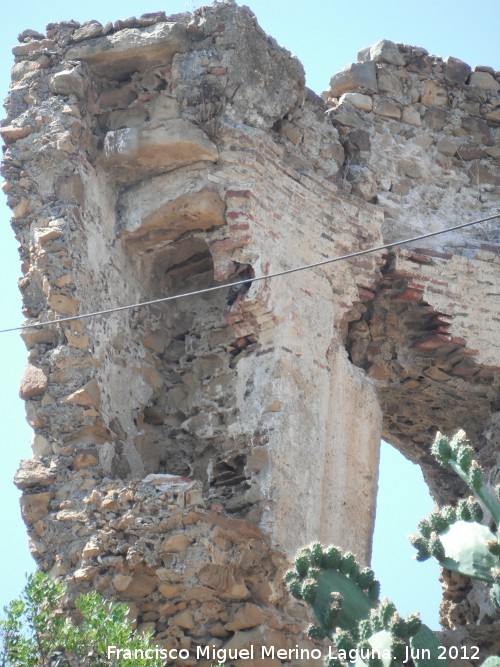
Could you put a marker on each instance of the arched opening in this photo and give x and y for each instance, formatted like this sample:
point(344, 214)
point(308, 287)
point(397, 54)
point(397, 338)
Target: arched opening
point(427, 380)
point(403, 498)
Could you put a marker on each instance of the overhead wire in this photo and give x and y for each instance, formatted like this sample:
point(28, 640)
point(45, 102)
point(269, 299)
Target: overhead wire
point(284, 272)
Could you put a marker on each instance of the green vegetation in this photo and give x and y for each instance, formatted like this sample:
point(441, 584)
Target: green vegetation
point(366, 631)
point(37, 633)
point(453, 535)
point(345, 602)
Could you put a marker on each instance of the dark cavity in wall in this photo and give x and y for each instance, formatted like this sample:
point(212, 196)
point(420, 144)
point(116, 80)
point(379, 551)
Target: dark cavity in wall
point(183, 430)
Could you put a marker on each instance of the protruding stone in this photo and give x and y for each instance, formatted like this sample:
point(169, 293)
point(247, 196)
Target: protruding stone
point(68, 82)
point(358, 76)
point(86, 396)
point(455, 70)
point(34, 506)
point(38, 336)
point(40, 446)
point(384, 51)
point(33, 473)
point(47, 234)
point(131, 50)
point(87, 31)
point(358, 100)
point(28, 35)
point(164, 208)
point(33, 382)
point(133, 153)
point(11, 133)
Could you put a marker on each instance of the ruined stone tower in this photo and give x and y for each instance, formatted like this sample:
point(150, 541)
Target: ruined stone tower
point(183, 451)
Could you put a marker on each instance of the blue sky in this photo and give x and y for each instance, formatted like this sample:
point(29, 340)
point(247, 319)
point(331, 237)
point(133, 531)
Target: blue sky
point(325, 35)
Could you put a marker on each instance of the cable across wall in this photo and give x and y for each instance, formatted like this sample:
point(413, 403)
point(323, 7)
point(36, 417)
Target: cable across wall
point(270, 276)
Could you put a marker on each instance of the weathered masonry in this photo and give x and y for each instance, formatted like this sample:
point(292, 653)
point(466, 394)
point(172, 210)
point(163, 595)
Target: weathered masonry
point(182, 452)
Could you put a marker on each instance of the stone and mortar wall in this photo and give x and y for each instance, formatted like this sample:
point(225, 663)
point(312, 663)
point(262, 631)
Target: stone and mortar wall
point(183, 451)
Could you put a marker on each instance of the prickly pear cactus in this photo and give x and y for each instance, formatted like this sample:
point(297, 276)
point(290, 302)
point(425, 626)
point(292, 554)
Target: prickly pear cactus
point(454, 536)
point(367, 632)
point(344, 598)
point(336, 588)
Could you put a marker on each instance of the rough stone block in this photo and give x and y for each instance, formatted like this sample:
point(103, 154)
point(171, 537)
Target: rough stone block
point(162, 214)
point(434, 95)
point(40, 446)
point(11, 133)
point(133, 153)
point(477, 130)
point(247, 617)
point(383, 51)
point(86, 459)
point(45, 235)
point(389, 83)
point(38, 336)
point(121, 582)
point(448, 145)
point(33, 382)
point(455, 70)
point(363, 102)
point(176, 543)
point(32, 473)
point(130, 50)
point(484, 80)
point(35, 506)
point(411, 116)
point(86, 396)
point(87, 31)
point(67, 82)
point(65, 305)
point(384, 108)
point(358, 76)
point(493, 114)
point(435, 117)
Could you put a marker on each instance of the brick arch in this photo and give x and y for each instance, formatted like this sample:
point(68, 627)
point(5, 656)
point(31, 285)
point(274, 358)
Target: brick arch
point(427, 377)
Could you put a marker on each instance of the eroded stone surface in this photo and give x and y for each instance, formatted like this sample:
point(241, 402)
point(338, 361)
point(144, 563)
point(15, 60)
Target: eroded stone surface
point(183, 451)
